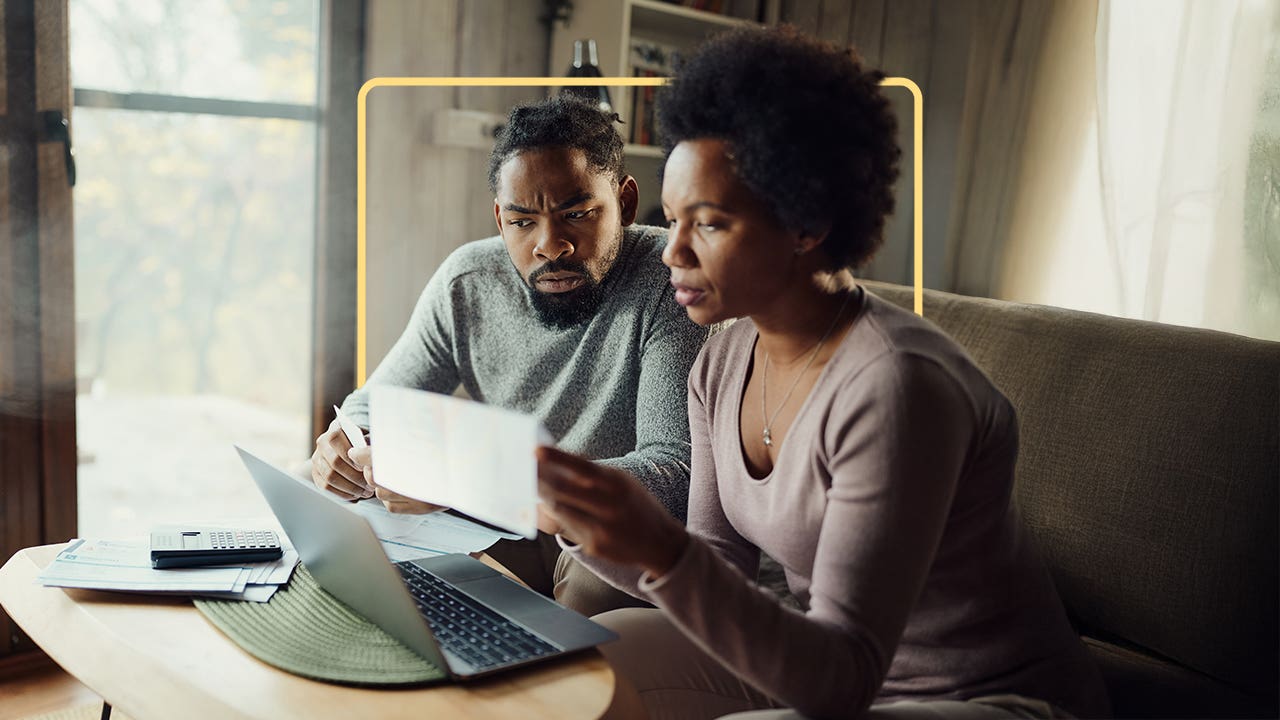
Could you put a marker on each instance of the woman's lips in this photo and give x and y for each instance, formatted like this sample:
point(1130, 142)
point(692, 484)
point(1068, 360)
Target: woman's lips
point(557, 283)
point(686, 295)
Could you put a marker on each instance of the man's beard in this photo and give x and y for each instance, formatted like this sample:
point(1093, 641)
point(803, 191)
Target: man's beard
point(579, 305)
point(566, 309)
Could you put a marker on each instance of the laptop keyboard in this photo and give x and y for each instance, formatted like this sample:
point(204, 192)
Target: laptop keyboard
point(466, 628)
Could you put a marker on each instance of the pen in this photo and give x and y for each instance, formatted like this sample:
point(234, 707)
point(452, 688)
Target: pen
point(354, 434)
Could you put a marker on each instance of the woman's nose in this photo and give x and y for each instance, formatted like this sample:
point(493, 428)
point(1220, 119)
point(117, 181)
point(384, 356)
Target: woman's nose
point(677, 252)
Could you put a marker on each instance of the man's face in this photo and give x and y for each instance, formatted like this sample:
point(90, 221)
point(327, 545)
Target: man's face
point(562, 223)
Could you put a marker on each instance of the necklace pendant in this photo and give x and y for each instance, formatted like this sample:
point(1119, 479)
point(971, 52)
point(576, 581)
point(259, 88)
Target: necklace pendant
point(768, 439)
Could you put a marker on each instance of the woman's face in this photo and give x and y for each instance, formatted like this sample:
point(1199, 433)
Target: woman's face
point(728, 256)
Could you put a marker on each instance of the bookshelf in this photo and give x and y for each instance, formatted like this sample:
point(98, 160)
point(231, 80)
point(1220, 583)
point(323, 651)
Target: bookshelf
point(619, 26)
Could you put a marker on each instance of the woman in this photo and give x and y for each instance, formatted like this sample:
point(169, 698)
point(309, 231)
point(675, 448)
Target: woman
point(848, 439)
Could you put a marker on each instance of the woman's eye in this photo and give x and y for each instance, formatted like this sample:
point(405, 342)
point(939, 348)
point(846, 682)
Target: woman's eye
point(708, 227)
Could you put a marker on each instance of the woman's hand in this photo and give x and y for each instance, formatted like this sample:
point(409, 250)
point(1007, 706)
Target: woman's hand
point(608, 512)
point(394, 502)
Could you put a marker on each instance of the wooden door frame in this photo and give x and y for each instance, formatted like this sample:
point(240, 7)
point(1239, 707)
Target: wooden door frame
point(333, 348)
point(37, 300)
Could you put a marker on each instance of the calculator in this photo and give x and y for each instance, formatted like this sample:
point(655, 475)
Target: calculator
point(179, 548)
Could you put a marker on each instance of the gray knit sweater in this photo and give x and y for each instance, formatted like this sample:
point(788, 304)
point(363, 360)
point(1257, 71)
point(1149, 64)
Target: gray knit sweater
point(612, 389)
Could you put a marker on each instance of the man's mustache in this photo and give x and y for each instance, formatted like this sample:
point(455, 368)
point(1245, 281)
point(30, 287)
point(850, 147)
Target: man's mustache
point(572, 266)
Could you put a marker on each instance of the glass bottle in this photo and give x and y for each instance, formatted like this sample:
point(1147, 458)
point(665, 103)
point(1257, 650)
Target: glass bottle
point(586, 64)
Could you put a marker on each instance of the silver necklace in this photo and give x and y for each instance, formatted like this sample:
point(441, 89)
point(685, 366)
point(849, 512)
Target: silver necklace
point(764, 375)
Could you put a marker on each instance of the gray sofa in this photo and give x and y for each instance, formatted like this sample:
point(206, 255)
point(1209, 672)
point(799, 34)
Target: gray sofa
point(1148, 472)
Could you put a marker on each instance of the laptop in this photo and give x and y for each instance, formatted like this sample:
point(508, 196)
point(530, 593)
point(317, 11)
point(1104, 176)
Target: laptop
point(453, 610)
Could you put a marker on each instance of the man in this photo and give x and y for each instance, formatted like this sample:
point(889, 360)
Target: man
point(567, 315)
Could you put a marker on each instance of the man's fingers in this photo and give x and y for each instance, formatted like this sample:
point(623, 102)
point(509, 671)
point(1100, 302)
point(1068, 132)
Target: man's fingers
point(361, 458)
point(335, 441)
point(343, 466)
point(324, 475)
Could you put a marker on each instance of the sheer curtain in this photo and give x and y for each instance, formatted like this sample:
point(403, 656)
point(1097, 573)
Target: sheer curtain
point(1178, 87)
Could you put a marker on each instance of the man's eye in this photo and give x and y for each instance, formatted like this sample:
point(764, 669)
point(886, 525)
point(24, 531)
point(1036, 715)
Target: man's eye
point(521, 222)
point(708, 227)
point(577, 214)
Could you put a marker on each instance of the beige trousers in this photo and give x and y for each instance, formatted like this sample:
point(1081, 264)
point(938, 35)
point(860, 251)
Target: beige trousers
point(664, 676)
point(543, 567)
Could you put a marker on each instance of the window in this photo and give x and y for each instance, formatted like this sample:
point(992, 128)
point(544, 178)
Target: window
point(196, 132)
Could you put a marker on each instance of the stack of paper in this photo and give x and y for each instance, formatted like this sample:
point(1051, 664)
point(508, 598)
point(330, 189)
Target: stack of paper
point(407, 537)
point(125, 566)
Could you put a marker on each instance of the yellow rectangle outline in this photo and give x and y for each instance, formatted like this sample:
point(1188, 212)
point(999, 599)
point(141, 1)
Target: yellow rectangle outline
point(361, 159)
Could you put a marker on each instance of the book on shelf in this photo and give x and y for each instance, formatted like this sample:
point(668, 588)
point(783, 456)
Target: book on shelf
point(648, 59)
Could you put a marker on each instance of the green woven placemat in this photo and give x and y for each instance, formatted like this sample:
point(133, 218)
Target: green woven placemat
point(306, 631)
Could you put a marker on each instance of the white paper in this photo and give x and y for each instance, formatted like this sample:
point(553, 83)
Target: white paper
point(407, 537)
point(457, 453)
point(125, 565)
point(252, 593)
point(400, 552)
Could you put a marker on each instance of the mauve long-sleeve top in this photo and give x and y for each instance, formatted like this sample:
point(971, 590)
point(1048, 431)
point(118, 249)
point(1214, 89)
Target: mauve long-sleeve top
point(889, 507)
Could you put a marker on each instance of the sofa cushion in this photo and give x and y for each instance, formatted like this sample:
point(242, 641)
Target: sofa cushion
point(1144, 687)
point(1148, 469)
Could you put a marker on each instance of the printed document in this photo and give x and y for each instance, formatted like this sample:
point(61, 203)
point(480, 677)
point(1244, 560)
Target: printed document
point(125, 565)
point(461, 454)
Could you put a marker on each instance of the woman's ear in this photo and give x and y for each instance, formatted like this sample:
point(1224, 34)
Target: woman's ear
point(810, 238)
point(628, 199)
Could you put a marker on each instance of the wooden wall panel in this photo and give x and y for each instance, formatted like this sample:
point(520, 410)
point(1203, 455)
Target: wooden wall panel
point(424, 201)
point(404, 179)
point(833, 21)
point(866, 30)
point(907, 50)
point(804, 14)
point(944, 109)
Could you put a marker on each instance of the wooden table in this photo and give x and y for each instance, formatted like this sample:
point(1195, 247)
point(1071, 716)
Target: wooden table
point(157, 657)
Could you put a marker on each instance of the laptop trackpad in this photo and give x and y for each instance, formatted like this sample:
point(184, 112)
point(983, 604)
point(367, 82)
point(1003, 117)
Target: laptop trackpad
point(553, 622)
point(508, 597)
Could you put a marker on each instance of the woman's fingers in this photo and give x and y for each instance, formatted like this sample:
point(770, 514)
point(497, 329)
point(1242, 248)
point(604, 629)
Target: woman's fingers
point(569, 461)
point(547, 522)
point(561, 494)
point(577, 526)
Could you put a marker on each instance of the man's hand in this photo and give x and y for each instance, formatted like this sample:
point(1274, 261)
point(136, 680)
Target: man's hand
point(333, 470)
point(608, 512)
point(394, 502)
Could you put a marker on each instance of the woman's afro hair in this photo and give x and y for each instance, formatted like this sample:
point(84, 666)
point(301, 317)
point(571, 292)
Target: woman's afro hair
point(807, 129)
